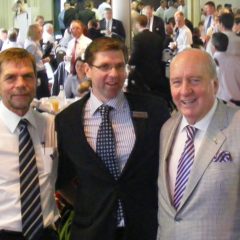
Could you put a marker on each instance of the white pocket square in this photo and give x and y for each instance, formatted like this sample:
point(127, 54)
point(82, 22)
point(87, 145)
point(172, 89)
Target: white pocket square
point(223, 156)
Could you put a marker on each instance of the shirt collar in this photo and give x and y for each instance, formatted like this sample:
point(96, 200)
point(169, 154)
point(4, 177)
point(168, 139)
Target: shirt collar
point(203, 124)
point(116, 103)
point(11, 119)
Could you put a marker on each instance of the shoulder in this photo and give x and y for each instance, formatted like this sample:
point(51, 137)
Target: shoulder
point(232, 113)
point(157, 19)
point(171, 123)
point(73, 111)
point(154, 105)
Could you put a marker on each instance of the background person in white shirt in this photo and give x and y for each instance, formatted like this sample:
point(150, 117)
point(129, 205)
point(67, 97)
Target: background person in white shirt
point(17, 90)
point(183, 37)
point(160, 11)
point(77, 45)
point(12, 40)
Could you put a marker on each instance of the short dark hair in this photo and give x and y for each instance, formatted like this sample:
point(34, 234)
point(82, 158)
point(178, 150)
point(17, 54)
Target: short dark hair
point(220, 41)
point(78, 59)
point(210, 3)
point(227, 20)
point(17, 55)
point(104, 44)
point(12, 35)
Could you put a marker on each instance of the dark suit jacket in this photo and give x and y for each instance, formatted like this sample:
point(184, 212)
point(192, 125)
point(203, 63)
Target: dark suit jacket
point(85, 16)
point(97, 191)
point(69, 16)
point(158, 26)
point(117, 28)
point(146, 56)
point(94, 33)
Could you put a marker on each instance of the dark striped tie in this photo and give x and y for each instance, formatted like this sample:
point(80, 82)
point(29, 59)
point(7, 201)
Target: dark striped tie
point(184, 166)
point(106, 149)
point(32, 219)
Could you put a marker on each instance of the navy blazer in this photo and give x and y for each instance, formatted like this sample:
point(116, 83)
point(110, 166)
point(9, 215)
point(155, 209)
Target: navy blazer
point(159, 27)
point(117, 28)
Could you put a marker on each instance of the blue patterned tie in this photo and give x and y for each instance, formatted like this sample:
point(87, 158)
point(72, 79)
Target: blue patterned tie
point(184, 166)
point(106, 149)
point(32, 219)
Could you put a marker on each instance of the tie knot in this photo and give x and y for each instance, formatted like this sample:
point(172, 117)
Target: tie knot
point(191, 131)
point(23, 123)
point(104, 110)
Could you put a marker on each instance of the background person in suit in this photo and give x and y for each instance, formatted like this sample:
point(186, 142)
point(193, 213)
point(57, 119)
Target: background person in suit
point(154, 24)
point(84, 174)
point(111, 27)
point(207, 206)
point(148, 74)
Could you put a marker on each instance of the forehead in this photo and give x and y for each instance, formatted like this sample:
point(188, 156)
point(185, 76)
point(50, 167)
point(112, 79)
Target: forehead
point(17, 65)
point(189, 64)
point(113, 55)
point(75, 25)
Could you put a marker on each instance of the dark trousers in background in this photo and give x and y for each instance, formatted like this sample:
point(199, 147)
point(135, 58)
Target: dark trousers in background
point(42, 89)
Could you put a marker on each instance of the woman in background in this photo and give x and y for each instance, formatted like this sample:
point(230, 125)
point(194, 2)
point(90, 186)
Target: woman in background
point(77, 83)
point(32, 45)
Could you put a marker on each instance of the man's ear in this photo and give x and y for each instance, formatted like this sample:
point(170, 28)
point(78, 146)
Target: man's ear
point(87, 70)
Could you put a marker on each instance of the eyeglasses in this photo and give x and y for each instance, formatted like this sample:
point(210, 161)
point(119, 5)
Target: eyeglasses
point(108, 67)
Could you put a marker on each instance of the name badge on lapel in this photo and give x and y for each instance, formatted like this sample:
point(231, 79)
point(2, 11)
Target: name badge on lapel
point(137, 114)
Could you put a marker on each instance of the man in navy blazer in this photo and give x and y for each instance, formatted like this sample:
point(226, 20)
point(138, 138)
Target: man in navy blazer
point(84, 178)
point(155, 24)
point(112, 27)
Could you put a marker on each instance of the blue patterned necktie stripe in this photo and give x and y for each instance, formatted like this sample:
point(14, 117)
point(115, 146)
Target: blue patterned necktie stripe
point(106, 149)
point(32, 219)
point(184, 166)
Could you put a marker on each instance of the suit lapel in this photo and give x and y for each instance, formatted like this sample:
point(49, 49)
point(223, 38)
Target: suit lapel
point(212, 142)
point(77, 127)
point(166, 151)
point(139, 124)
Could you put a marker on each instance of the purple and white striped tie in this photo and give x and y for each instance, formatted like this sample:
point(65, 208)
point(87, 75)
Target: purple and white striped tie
point(184, 166)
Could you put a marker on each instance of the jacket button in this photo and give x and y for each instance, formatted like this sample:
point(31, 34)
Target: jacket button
point(178, 219)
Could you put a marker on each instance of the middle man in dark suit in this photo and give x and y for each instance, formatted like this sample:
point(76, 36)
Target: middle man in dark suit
point(108, 152)
point(112, 27)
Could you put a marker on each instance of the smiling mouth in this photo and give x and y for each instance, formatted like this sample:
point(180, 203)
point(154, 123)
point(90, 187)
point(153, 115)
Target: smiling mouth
point(188, 102)
point(112, 84)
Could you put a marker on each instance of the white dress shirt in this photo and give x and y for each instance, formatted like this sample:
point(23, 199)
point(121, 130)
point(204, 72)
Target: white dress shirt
point(35, 49)
point(160, 12)
point(121, 122)
point(183, 9)
point(184, 39)
point(206, 21)
point(9, 44)
point(179, 143)
point(168, 13)
point(41, 129)
point(82, 44)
